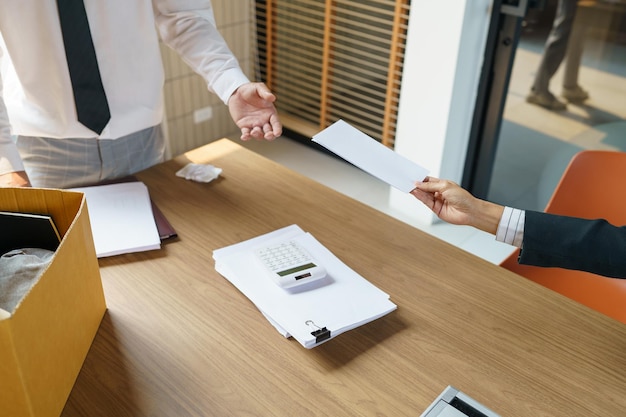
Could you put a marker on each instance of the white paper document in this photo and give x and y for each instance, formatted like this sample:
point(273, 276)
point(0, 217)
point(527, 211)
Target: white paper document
point(121, 218)
point(371, 156)
point(312, 313)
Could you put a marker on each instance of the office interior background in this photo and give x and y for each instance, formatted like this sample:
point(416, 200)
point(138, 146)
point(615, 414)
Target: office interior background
point(534, 144)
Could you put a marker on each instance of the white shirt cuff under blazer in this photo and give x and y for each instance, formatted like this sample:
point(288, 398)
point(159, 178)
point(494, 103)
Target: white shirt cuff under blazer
point(39, 101)
point(511, 227)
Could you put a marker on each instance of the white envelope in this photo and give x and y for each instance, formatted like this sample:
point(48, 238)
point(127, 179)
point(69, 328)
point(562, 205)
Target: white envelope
point(371, 156)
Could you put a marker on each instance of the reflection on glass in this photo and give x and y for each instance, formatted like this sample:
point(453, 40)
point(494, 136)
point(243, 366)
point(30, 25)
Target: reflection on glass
point(537, 140)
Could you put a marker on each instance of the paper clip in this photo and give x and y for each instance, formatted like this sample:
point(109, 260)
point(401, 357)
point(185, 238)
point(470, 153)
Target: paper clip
point(320, 333)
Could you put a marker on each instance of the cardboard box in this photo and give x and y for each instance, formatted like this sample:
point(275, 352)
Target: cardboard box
point(43, 344)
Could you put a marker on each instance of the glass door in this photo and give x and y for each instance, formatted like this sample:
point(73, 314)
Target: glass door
point(523, 138)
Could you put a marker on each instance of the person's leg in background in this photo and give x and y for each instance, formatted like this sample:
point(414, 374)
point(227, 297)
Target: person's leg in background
point(586, 17)
point(553, 54)
point(69, 163)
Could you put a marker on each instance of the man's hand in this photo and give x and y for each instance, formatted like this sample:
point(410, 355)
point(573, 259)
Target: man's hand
point(14, 179)
point(252, 108)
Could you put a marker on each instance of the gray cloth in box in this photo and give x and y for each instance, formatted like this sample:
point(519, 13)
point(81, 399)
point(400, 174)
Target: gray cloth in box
point(19, 271)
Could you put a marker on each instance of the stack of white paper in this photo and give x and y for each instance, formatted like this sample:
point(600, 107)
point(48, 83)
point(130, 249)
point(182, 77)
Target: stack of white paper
point(121, 218)
point(340, 302)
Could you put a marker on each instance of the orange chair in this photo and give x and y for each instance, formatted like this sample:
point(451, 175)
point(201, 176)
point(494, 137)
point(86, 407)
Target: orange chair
point(592, 186)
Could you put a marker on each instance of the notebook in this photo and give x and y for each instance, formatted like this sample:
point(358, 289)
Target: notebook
point(27, 230)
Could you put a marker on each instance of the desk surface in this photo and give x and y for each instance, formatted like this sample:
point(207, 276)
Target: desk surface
point(180, 340)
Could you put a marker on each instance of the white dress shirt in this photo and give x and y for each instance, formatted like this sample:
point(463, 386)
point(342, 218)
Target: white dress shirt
point(35, 89)
point(511, 227)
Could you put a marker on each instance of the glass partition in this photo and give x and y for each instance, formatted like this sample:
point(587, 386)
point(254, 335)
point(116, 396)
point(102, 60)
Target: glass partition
point(538, 138)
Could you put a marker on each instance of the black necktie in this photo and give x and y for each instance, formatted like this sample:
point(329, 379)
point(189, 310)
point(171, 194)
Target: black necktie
point(92, 107)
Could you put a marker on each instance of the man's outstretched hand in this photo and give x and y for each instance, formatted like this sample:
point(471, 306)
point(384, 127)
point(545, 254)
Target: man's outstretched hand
point(252, 108)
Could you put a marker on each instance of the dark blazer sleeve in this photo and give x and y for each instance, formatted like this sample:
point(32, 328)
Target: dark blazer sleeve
point(587, 245)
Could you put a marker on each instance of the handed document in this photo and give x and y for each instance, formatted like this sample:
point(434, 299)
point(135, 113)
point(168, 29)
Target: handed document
point(371, 156)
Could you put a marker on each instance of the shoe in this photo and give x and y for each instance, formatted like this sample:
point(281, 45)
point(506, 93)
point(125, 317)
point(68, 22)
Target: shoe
point(575, 95)
point(546, 100)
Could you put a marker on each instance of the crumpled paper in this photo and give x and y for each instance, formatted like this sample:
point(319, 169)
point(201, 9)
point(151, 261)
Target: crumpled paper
point(199, 172)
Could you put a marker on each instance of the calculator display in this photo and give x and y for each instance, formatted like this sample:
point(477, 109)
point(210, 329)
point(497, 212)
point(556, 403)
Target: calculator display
point(295, 269)
point(289, 264)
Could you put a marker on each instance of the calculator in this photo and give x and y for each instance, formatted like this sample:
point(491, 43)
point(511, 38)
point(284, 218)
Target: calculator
point(289, 264)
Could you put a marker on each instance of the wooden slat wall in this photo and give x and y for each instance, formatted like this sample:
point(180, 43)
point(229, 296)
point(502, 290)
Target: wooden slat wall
point(334, 59)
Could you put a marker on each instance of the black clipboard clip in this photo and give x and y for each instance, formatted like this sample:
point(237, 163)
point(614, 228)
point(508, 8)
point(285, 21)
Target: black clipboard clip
point(320, 333)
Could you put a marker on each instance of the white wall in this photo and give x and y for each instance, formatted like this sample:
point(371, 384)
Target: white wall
point(444, 53)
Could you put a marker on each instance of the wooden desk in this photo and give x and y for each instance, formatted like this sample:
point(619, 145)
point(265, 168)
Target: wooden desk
point(180, 340)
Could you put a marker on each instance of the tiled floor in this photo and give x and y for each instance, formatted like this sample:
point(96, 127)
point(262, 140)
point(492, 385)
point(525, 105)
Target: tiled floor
point(534, 148)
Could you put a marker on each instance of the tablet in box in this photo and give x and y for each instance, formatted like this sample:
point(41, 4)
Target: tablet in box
point(44, 342)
